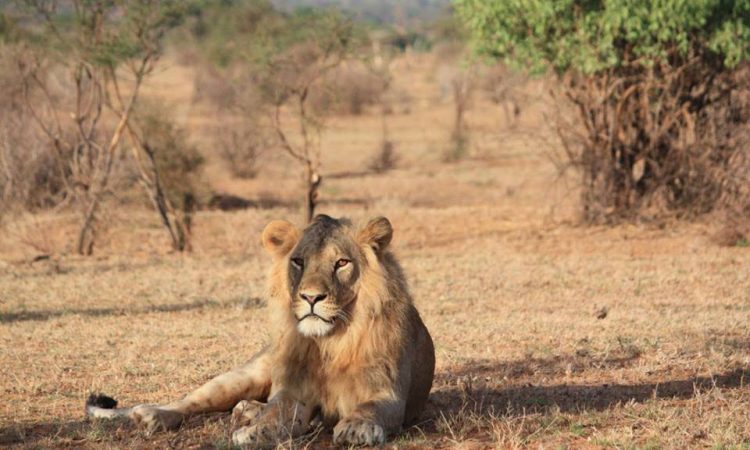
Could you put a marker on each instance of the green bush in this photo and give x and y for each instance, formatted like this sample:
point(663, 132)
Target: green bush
point(657, 87)
point(590, 36)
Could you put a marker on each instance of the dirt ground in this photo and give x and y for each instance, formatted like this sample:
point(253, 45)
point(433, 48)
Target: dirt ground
point(548, 333)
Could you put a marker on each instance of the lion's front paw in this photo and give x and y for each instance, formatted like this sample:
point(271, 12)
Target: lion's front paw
point(245, 412)
point(257, 435)
point(358, 432)
point(154, 419)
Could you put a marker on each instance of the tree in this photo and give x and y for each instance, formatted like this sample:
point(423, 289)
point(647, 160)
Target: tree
point(277, 63)
point(289, 62)
point(654, 86)
point(100, 44)
point(461, 86)
point(380, 66)
point(284, 58)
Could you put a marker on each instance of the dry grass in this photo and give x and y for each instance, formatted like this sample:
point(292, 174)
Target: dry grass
point(509, 286)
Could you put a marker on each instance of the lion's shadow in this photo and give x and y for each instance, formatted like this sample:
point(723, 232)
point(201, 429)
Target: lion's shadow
point(468, 389)
point(458, 390)
point(49, 314)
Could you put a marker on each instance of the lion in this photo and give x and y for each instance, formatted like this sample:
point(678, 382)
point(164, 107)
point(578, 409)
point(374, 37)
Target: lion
point(347, 345)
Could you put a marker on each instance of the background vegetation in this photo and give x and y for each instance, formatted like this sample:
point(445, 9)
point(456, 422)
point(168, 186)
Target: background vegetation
point(658, 89)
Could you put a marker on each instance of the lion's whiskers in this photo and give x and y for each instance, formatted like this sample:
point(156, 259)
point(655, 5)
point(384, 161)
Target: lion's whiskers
point(341, 314)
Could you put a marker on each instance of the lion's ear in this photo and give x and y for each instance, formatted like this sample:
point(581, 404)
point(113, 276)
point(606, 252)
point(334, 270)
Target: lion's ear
point(280, 237)
point(377, 233)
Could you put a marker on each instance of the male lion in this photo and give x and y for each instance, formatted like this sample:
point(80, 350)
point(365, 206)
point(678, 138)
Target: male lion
point(347, 345)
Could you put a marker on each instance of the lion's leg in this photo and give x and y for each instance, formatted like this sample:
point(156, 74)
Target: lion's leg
point(282, 418)
point(370, 423)
point(378, 415)
point(251, 381)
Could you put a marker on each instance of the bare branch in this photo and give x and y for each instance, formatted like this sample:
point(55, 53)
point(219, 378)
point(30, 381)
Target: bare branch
point(284, 142)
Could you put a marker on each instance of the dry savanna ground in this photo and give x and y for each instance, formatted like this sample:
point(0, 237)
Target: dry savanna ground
point(549, 334)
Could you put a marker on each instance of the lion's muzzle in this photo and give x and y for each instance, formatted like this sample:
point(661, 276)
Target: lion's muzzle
point(314, 314)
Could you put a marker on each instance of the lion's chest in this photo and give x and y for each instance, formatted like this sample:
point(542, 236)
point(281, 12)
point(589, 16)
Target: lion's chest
point(340, 392)
point(336, 388)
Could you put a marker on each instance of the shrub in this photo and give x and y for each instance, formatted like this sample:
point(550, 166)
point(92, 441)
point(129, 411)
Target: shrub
point(241, 145)
point(504, 87)
point(655, 86)
point(30, 178)
point(348, 90)
point(178, 162)
point(212, 86)
point(385, 159)
point(30, 172)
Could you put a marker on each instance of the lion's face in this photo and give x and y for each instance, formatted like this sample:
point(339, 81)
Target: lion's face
point(323, 272)
point(324, 264)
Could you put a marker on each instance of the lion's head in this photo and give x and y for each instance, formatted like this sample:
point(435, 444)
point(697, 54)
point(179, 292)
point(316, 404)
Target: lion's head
point(320, 271)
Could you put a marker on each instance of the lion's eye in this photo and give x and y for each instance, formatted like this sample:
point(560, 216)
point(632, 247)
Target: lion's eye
point(298, 262)
point(342, 263)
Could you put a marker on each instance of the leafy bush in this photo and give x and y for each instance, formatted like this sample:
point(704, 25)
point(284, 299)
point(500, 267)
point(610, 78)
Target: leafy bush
point(223, 30)
point(657, 88)
point(178, 163)
point(590, 36)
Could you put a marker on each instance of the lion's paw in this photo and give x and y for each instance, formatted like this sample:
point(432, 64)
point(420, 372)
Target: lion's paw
point(358, 432)
point(246, 411)
point(154, 419)
point(258, 435)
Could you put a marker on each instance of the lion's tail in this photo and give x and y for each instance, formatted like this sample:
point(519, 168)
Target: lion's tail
point(102, 406)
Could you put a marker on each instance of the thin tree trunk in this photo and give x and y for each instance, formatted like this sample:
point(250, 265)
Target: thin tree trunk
point(313, 183)
point(184, 224)
point(86, 233)
point(159, 199)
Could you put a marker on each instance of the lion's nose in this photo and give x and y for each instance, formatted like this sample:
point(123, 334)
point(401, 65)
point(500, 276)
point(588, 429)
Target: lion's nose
point(312, 298)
